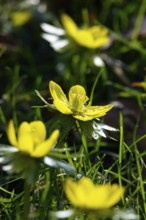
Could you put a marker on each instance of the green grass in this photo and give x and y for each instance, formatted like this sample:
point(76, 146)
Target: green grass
point(35, 190)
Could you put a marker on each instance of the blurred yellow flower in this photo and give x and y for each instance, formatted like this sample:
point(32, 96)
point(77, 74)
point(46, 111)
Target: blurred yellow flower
point(92, 37)
point(85, 195)
point(31, 138)
point(76, 105)
point(19, 18)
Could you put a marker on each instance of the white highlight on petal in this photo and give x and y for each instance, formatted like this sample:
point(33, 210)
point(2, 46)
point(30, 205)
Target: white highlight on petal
point(99, 130)
point(56, 43)
point(98, 61)
point(125, 215)
point(49, 37)
point(33, 2)
point(52, 29)
point(63, 214)
point(60, 44)
point(2, 159)
point(7, 167)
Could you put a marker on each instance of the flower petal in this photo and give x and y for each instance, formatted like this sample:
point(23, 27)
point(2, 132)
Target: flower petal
point(26, 144)
point(84, 194)
point(77, 97)
point(45, 147)
point(52, 29)
point(59, 98)
point(70, 190)
point(38, 131)
point(114, 194)
point(84, 38)
point(12, 134)
point(69, 25)
point(93, 37)
point(24, 128)
point(91, 112)
point(25, 138)
point(50, 38)
point(19, 18)
point(97, 110)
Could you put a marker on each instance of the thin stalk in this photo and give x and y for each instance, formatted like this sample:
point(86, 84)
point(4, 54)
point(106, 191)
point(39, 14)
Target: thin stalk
point(139, 20)
point(137, 155)
point(94, 85)
point(121, 150)
point(138, 158)
point(84, 143)
point(26, 210)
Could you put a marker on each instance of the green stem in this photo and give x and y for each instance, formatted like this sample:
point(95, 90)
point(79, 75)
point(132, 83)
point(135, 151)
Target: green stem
point(141, 182)
point(84, 144)
point(139, 20)
point(138, 159)
point(26, 209)
point(121, 151)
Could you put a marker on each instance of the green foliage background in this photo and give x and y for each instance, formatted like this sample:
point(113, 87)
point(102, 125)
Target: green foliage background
point(28, 63)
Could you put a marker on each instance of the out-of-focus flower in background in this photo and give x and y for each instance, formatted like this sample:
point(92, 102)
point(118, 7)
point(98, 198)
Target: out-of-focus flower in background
point(89, 37)
point(19, 18)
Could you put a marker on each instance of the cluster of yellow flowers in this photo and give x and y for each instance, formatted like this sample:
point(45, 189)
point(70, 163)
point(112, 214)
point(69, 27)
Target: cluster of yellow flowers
point(31, 137)
point(31, 140)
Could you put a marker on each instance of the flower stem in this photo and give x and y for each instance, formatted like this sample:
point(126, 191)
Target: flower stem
point(26, 209)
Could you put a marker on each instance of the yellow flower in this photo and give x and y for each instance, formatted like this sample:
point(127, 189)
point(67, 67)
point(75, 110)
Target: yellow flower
point(19, 18)
point(76, 105)
point(92, 37)
point(85, 195)
point(31, 138)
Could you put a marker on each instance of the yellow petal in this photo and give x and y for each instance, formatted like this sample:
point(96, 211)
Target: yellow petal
point(84, 38)
point(97, 111)
point(71, 192)
point(92, 37)
point(98, 31)
point(100, 42)
point(77, 97)
point(115, 194)
point(24, 128)
point(69, 25)
point(45, 147)
point(25, 139)
point(38, 131)
point(25, 142)
point(84, 190)
point(12, 134)
point(78, 192)
point(59, 98)
point(20, 17)
point(84, 194)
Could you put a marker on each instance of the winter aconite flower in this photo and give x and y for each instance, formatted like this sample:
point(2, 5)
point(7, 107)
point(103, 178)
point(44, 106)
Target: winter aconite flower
point(76, 104)
point(91, 37)
point(19, 18)
point(31, 138)
point(85, 195)
point(88, 37)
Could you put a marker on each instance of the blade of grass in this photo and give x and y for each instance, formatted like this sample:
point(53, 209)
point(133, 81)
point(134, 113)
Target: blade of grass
point(94, 85)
